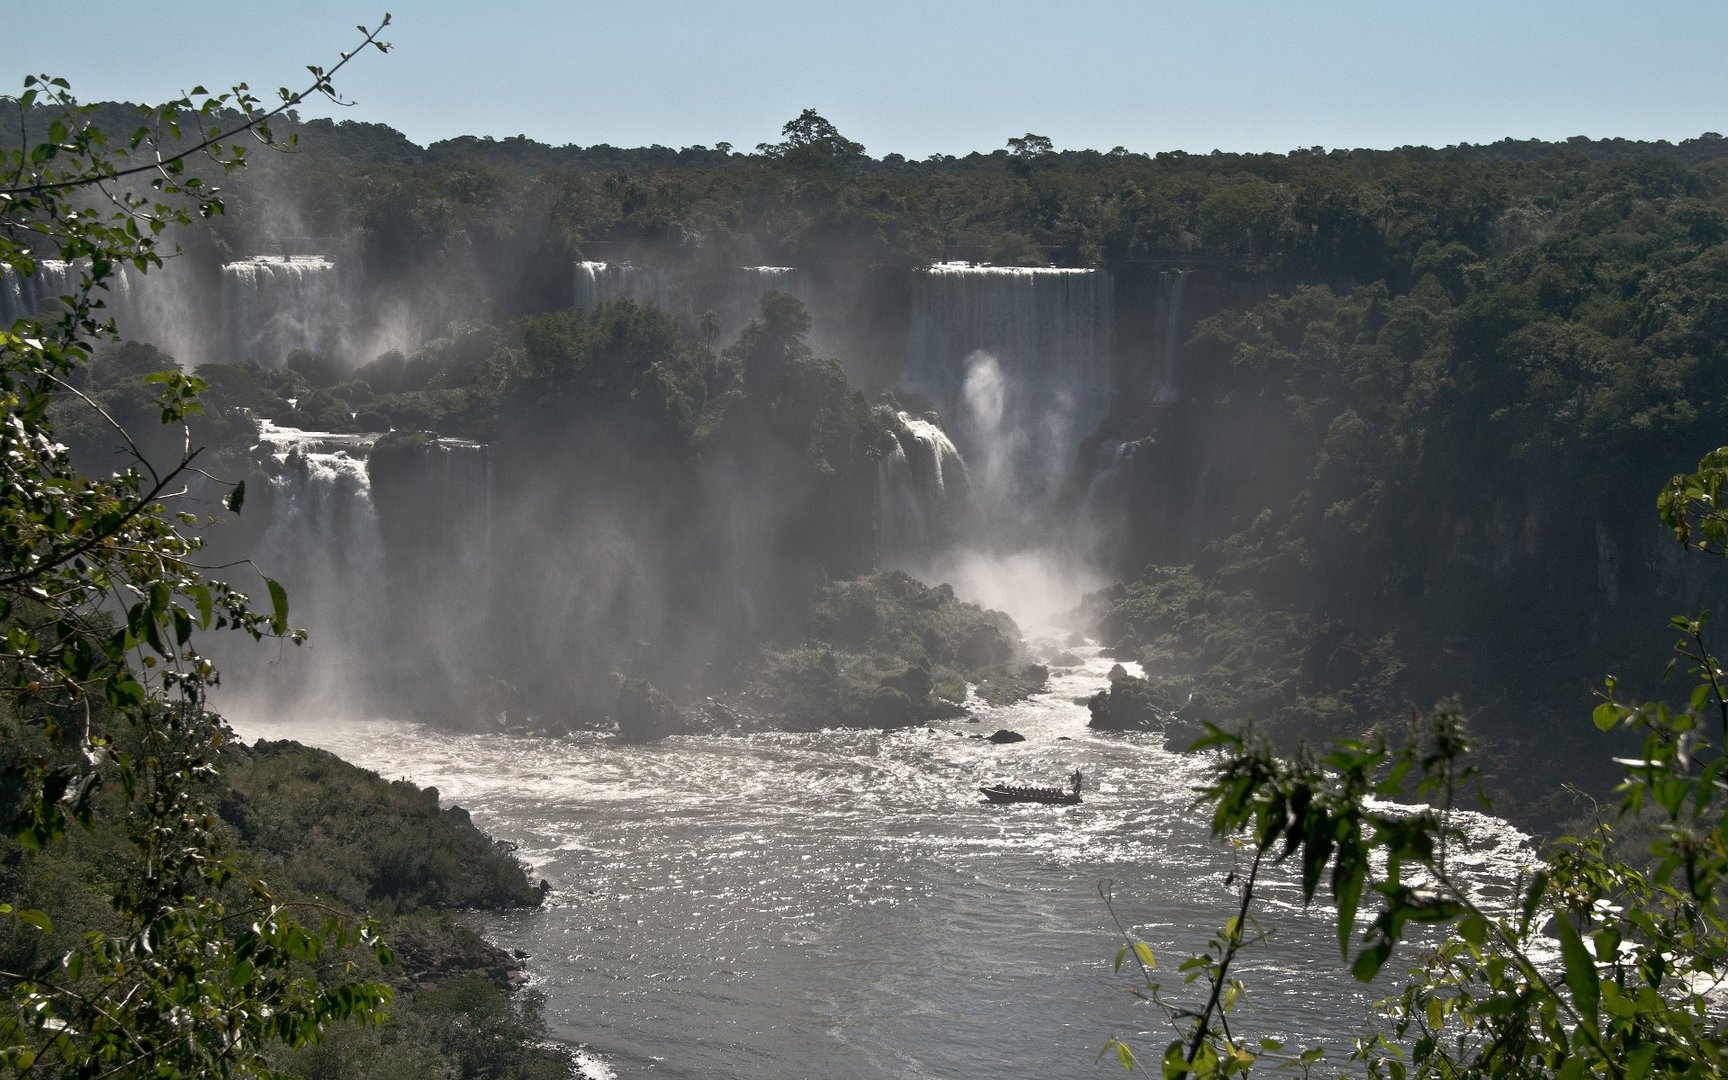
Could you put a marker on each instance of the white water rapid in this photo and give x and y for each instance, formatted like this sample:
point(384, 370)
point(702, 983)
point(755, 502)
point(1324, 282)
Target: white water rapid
point(843, 903)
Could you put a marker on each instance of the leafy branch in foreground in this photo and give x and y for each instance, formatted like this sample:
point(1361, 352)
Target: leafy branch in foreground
point(102, 685)
point(1608, 959)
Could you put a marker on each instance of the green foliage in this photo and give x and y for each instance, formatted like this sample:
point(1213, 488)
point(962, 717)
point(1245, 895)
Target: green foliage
point(1454, 444)
point(1691, 504)
point(626, 365)
point(1605, 960)
point(799, 400)
point(201, 968)
point(319, 826)
point(467, 1029)
point(886, 650)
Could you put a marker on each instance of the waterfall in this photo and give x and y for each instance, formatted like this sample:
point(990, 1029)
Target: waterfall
point(1107, 508)
point(323, 544)
point(163, 307)
point(169, 308)
point(22, 297)
point(1170, 288)
point(13, 305)
point(1109, 476)
point(461, 481)
point(603, 282)
point(733, 294)
point(924, 491)
point(1017, 359)
point(273, 304)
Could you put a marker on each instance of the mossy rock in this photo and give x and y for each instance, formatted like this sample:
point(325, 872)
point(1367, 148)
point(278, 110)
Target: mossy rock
point(1131, 704)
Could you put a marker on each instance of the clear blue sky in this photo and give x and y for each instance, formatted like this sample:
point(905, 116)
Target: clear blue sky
point(924, 76)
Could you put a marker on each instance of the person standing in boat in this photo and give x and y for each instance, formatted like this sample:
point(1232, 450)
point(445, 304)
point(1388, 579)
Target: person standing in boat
point(1074, 779)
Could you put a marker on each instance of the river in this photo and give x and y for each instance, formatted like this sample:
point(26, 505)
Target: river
point(844, 903)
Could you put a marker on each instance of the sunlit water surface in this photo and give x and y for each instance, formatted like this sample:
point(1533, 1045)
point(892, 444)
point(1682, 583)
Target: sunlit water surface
point(844, 903)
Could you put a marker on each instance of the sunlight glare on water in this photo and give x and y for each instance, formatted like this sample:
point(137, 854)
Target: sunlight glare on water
point(844, 903)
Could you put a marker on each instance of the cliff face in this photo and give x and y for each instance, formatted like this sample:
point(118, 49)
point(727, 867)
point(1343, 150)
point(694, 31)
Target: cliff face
point(1360, 501)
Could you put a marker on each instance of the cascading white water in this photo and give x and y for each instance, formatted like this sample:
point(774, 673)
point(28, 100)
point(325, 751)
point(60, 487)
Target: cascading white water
point(273, 304)
point(1109, 476)
point(708, 889)
point(323, 544)
point(1017, 360)
point(1113, 475)
point(164, 307)
point(22, 297)
point(603, 282)
point(925, 491)
point(40, 293)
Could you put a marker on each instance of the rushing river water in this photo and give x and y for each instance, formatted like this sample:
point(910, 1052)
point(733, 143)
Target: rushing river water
point(844, 903)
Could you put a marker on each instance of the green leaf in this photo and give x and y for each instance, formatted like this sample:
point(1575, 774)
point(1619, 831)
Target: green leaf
point(1638, 1061)
point(236, 498)
point(1581, 976)
point(278, 606)
point(1370, 961)
point(1474, 929)
point(1538, 886)
point(38, 919)
point(201, 596)
point(1144, 952)
point(1350, 871)
point(1606, 716)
